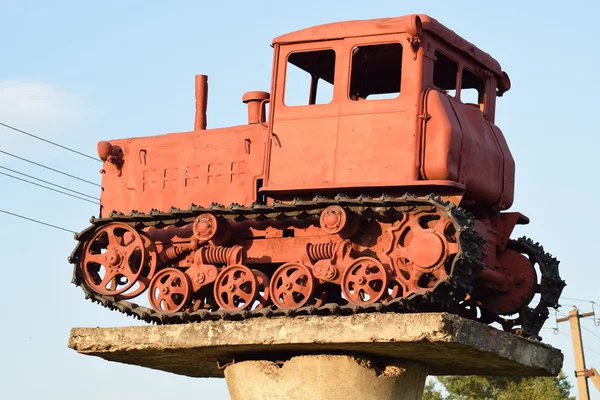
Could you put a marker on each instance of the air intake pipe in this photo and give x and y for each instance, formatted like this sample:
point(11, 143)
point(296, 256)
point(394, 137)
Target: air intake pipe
point(256, 106)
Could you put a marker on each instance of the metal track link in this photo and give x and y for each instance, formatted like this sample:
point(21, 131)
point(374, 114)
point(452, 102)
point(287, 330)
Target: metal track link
point(443, 297)
point(551, 287)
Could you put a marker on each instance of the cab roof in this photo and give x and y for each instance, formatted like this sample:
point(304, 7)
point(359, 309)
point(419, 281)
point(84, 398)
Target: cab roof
point(384, 26)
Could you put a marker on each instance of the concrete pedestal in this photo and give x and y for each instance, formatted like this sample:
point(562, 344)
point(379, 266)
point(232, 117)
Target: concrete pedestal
point(325, 377)
point(371, 356)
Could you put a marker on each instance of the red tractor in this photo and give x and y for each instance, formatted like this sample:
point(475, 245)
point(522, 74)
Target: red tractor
point(375, 181)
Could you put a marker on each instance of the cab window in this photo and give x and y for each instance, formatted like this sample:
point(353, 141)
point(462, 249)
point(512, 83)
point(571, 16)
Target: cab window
point(309, 78)
point(376, 72)
point(445, 72)
point(471, 88)
point(445, 77)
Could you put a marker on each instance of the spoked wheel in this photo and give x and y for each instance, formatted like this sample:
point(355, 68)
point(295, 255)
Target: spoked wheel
point(236, 288)
point(292, 286)
point(365, 281)
point(115, 258)
point(263, 297)
point(148, 271)
point(169, 291)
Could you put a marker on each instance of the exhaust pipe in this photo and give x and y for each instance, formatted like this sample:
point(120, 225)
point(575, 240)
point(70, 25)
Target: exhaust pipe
point(201, 102)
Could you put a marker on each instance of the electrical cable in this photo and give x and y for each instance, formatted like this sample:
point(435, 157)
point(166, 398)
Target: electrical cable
point(589, 331)
point(49, 183)
point(585, 347)
point(48, 141)
point(50, 168)
point(580, 300)
point(49, 188)
point(37, 221)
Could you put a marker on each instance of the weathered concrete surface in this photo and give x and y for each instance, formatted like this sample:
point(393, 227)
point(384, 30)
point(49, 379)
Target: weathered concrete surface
point(325, 377)
point(448, 344)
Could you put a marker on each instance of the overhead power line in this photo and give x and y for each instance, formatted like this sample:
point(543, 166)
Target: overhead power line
point(49, 168)
point(589, 331)
point(49, 183)
point(37, 221)
point(48, 141)
point(49, 188)
point(569, 337)
point(574, 299)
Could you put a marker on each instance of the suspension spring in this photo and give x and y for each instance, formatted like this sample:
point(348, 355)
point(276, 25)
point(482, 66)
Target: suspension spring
point(217, 255)
point(171, 254)
point(320, 251)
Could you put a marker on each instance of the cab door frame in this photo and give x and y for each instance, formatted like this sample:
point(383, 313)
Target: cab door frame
point(317, 124)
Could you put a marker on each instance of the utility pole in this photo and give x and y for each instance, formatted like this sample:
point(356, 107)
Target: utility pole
point(581, 373)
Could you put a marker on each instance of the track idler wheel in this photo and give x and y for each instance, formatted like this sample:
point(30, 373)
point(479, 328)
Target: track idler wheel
point(169, 291)
point(365, 281)
point(292, 286)
point(115, 258)
point(236, 288)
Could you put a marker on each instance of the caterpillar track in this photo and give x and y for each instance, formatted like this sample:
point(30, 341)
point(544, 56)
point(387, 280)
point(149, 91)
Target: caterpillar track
point(456, 289)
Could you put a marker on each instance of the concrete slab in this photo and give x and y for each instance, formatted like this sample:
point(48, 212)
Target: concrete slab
point(448, 344)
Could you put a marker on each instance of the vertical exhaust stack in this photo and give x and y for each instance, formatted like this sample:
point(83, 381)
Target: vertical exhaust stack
point(256, 106)
point(201, 102)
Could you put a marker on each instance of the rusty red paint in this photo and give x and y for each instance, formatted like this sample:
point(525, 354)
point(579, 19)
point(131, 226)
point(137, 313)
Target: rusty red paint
point(408, 107)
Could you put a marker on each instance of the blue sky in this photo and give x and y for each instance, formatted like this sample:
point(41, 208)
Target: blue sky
point(79, 73)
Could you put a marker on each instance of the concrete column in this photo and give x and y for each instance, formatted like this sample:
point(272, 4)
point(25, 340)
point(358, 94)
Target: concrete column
point(326, 377)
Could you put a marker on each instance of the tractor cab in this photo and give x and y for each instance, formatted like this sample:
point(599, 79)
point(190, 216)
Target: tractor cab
point(348, 101)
